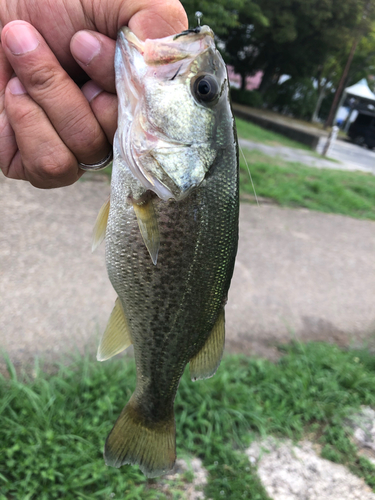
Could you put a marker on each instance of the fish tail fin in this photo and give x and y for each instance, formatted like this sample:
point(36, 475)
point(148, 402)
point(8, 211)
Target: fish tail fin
point(133, 441)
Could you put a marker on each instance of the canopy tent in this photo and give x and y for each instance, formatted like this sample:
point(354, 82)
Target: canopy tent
point(360, 89)
point(362, 93)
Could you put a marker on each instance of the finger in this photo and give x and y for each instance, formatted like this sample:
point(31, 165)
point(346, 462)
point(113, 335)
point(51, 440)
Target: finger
point(43, 159)
point(52, 89)
point(58, 21)
point(8, 145)
point(104, 106)
point(157, 18)
point(95, 54)
point(146, 18)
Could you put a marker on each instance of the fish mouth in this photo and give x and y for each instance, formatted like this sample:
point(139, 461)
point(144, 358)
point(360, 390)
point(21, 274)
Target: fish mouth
point(171, 49)
point(147, 150)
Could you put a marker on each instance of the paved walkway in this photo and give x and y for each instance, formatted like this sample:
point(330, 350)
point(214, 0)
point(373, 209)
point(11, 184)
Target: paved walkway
point(348, 156)
point(299, 274)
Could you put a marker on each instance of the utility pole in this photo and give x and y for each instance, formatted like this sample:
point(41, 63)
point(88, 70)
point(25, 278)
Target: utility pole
point(344, 75)
point(340, 87)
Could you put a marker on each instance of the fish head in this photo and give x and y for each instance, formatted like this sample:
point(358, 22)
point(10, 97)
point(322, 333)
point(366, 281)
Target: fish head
point(173, 105)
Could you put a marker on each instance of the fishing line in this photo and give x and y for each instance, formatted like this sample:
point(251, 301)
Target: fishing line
point(248, 169)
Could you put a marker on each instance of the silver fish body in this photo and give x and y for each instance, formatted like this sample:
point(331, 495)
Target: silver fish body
point(172, 230)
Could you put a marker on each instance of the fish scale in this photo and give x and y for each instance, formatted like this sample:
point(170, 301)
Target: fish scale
point(193, 258)
point(172, 232)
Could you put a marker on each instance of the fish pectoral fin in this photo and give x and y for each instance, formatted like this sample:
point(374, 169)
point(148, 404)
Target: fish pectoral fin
point(100, 226)
point(148, 225)
point(206, 362)
point(133, 440)
point(116, 336)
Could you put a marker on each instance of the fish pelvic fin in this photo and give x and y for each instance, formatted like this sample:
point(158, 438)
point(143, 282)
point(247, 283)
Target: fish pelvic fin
point(137, 442)
point(100, 226)
point(148, 225)
point(116, 337)
point(206, 362)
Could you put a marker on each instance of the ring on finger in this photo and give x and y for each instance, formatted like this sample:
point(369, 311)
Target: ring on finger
point(97, 166)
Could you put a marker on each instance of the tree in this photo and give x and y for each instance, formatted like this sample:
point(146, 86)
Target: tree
point(221, 15)
point(292, 37)
point(362, 27)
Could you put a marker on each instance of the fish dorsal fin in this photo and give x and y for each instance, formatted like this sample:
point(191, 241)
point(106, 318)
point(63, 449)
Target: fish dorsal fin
point(100, 226)
point(206, 362)
point(148, 225)
point(117, 336)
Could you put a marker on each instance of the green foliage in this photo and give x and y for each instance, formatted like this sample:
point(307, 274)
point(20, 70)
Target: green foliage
point(220, 15)
point(54, 426)
point(295, 185)
point(295, 39)
point(296, 97)
point(247, 97)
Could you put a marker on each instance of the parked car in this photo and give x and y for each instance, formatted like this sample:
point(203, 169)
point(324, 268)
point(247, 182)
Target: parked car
point(362, 130)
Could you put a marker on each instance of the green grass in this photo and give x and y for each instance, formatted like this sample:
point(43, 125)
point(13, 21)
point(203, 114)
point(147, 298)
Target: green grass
point(252, 132)
point(53, 427)
point(295, 185)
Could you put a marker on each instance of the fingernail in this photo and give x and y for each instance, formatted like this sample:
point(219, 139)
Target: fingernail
point(85, 47)
point(21, 39)
point(90, 90)
point(16, 87)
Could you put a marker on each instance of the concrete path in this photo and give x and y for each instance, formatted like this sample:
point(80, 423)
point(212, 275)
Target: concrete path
point(299, 274)
point(348, 156)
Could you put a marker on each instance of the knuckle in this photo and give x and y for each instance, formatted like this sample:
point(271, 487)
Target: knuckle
point(43, 78)
point(27, 115)
point(84, 135)
point(56, 167)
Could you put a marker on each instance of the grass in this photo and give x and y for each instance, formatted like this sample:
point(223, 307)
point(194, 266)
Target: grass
point(295, 185)
point(53, 426)
point(247, 130)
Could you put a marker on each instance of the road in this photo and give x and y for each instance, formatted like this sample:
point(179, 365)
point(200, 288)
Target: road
point(348, 156)
point(351, 155)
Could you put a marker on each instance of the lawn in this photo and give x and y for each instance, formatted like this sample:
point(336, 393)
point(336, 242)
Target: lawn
point(252, 132)
point(53, 427)
point(295, 185)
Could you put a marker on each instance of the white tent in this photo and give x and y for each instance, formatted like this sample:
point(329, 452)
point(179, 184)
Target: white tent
point(360, 89)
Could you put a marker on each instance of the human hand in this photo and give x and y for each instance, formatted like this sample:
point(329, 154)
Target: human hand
point(48, 124)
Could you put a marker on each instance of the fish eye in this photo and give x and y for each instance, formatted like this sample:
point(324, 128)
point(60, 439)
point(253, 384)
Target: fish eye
point(206, 88)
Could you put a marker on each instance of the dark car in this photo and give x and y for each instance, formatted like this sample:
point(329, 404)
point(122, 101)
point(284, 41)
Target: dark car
point(362, 130)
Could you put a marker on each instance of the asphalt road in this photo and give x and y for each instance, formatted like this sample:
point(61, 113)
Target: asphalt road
point(351, 155)
point(348, 156)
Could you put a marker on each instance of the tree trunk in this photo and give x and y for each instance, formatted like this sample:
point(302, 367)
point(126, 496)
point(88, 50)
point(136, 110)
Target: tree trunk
point(243, 81)
point(321, 96)
point(267, 78)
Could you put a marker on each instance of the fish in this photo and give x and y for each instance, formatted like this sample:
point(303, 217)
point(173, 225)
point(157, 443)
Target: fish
point(171, 231)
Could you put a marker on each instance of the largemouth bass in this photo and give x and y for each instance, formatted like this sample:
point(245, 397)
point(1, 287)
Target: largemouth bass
point(172, 230)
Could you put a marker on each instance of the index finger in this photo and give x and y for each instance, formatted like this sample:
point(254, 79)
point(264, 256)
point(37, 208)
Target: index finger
point(146, 18)
point(157, 19)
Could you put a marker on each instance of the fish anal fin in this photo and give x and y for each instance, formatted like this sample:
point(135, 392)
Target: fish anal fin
point(148, 225)
point(100, 226)
point(116, 336)
point(134, 441)
point(206, 362)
